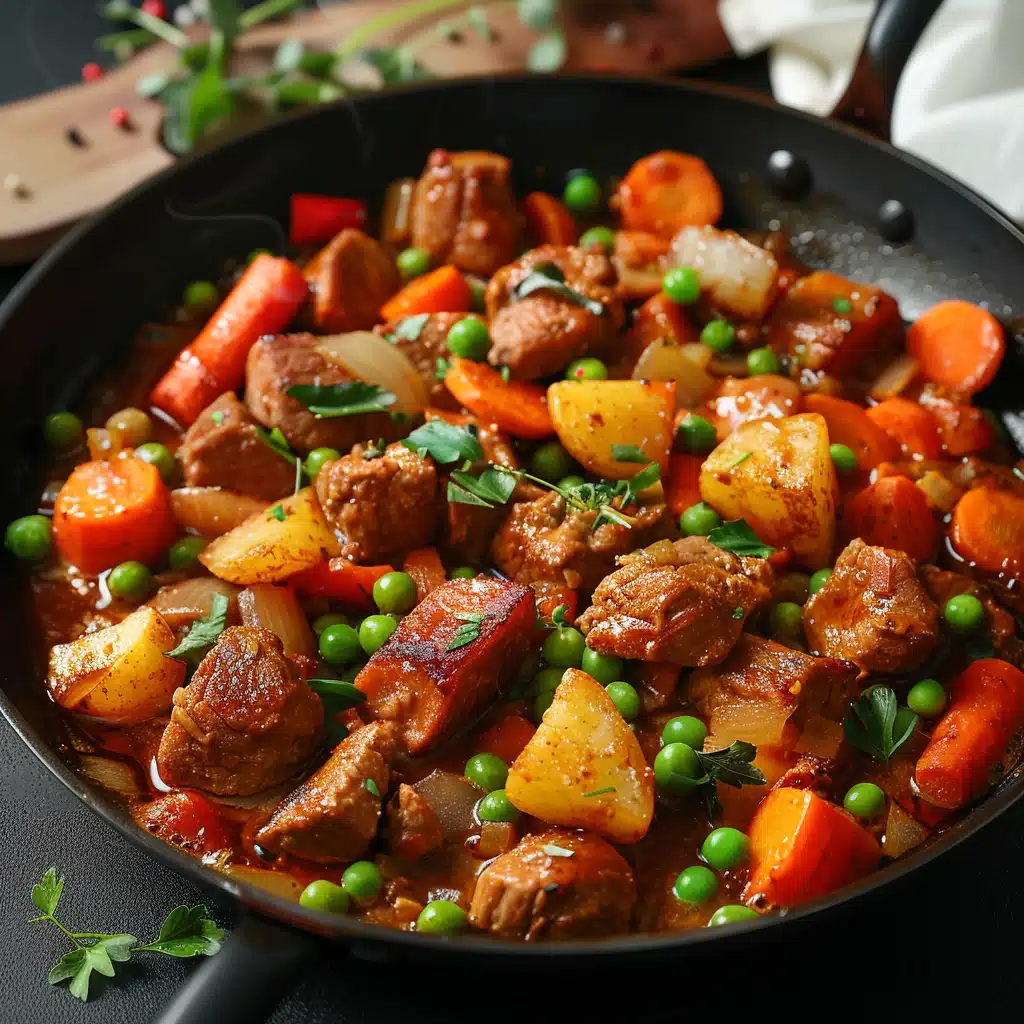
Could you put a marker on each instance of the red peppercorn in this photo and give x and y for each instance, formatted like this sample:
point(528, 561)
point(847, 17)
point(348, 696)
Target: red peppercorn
point(155, 7)
point(119, 117)
point(91, 72)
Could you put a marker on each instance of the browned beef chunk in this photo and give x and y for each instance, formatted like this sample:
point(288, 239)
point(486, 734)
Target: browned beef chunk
point(245, 722)
point(682, 602)
point(873, 611)
point(413, 828)
point(424, 341)
point(223, 449)
point(382, 506)
point(543, 332)
point(531, 893)
point(464, 212)
point(812, 773)
point(333, 815)
point(277, 363)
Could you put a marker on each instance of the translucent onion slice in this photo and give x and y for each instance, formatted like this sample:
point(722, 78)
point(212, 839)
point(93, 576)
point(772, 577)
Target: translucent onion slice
point(902, 832)
point(180, 604)
point(275, 607)
point(685, 364)
point(368, 357)
point(211, 511)
point(277, 883)
point(453, 799)
point(115, 775)
point(895, 378)
point(395, 220)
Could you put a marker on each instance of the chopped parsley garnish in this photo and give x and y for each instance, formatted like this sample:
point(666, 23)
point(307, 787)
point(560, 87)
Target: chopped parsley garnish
point(732, 765)
point(441, 367)
point(371, 787)
point(276, 441)
point(468, 631)
point(737, 612)
point(547, 277)
point(409, 328)
point(736, 536)
point(329, 401)
point(506, 374)
point(739, 462)
point(278, 513)
point(203, 633)
point(445, 442)
point(494, 486)
point(871, 725)
point(217, 417)
point(342, 695)
point(599, 792)
point(556, 851)
point(628, 453)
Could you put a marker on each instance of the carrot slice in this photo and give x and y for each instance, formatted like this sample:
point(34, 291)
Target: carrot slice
point(342, 581)
point(548, 221)
point(963, 429)
point(986, 709)
point(958, 344)
point(444, 290)
point(517, 407)
point(507, 739)
point(849, 424)
point(425, 567)
point(111, 512)
point(683, 486)
point(894, 513)
point(911, 425)
point(988, 530)
point(667, 191)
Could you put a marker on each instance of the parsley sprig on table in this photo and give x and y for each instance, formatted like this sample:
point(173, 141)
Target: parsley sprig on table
point(186, 932)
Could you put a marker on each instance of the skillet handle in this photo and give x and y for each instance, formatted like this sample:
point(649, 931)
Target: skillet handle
point(244, 982)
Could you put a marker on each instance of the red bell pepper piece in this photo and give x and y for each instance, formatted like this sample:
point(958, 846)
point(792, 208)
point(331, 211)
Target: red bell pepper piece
point(342, 581)
point(319, 218)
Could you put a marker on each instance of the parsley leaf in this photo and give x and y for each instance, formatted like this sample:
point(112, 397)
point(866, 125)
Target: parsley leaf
point(79, 964)
point(557, 851)
point(46, 893)
point(329, 401)
point(494, 486)
point(599, 792)
point(278, 512)
point(203, 633)
point(441, 367)
point(871, 724)
point(732, 765)
point(371, 787)
point(409, 328)
point(276, 441)
point(217, 417)
point(736, 536)
point(647, 477)
point(547, 277)
point(627, 453)
point(343, 695)
point(737, 612)
point(445, 442)
point(468, 631)
point(187, 931)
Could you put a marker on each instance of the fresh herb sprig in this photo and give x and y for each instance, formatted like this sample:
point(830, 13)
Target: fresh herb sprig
point(876, 725)
point(737, 536)
point(202, 634)
point(732, 765)
point(351, 398)
point(548, 277)
point(469, 631)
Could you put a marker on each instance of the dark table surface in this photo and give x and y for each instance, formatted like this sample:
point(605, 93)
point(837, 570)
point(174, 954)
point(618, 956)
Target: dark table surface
point(943, 940)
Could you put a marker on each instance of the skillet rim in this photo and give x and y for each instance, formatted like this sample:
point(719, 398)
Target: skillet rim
point(477, 947)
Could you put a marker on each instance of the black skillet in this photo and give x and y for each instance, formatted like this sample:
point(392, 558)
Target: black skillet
point(79, 306)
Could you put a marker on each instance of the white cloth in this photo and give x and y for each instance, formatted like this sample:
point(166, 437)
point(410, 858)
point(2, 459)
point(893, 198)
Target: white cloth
point(960, 102)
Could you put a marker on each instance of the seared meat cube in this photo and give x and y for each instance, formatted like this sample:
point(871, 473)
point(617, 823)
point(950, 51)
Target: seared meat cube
point(413, 828)
point(543, 332)
point(349, 280)
point(762, 686)
point(332, 817)
point(545, 541)
point(246, 721)
point(450, 656)
point(806, 323)
point(684, 603)
point(277, 363)
point(531, 893)
point(381, 507)
point(429, 344)
point(812, 773)
point(742, 400)
point(873, 611)
point(223, 449)
point(463, 211)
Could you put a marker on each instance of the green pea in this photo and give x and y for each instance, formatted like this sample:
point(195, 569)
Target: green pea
point(625, 698)
point(130, 580)
point(487, 771)
point(325, 896)
point(564, 646)
point(550, 461)
point(441, 917)
point(413, 263)
point(787, 619)
point(587, 368)
point(864, 800)
point(964, 613)
point(63, 431)
point(547, 680)
point(843, 458)
point(541, 703)
point(374, 632)
point(582, 194)
point(469, 339)
point(157, 455)
point(927, 698)
point(200, 294)
point(322, 622)
point(496, 806)
point(362, 880)
point(604, 668)
point(699, 520)
point(682, 285)
point(463, 572)
point(762, 360)
point(818, 580)
point(731, 913)
point(339, 644)
point(696, 434)
point(677, 768)
point(29, 538)
point(318, 458)
point(601, 236)
point(570, 481)
point(696, 885)
point(685, 729)
point(718, 335)
point(184, 552)
point(725, 849)
point(395, 592)
point(842, 306)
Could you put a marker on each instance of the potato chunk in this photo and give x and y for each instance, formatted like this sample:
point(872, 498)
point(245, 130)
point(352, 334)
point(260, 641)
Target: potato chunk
point(118, 675)
point(584, 768)
point(778, 476)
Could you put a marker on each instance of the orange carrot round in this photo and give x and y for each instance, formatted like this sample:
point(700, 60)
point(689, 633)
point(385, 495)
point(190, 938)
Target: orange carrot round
point(912, 426)
point(986, 709)
point(548, 220)
point(988, 530)
point(894, 513)
point(444, 290)
point(963, 429)
point(958, 344)
point(112, 512)
point(517, 407)
point(849, 424)
point(667, 191)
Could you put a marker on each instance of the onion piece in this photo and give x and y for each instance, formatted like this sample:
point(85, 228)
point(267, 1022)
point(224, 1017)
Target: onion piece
point(277, 883)
point(211, 511)
point(180, 604)
point(663, 360)
point(942, 494)
point(895, 378)
point(453, 800)
point(395, 221)
point(638, 284)
point(111, 774)
point(496, 838)
point(368, 357)
point(820, 737)
point(275, 607)
point(902, 832)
